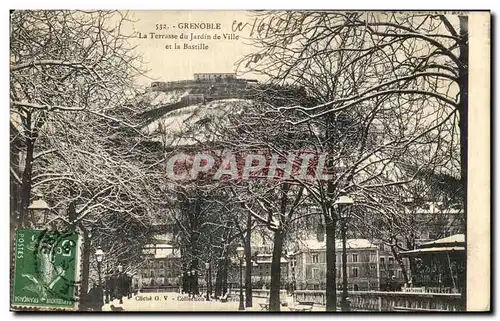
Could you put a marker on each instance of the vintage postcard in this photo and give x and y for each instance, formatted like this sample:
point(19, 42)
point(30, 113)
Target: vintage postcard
point(293, 161)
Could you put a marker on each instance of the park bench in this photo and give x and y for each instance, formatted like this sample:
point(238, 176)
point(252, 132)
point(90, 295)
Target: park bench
point(114, 309)
point(302, 306)
point(265, 306)
point(405, 309)
point(224, 298)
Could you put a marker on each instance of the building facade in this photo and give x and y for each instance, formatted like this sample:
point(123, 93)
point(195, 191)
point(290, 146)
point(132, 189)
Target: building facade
point(261, 271)
point(162, 266)
point(214, 76)
point(370, 266)
point(262, 275)
point(435, 220)
point(204, 81)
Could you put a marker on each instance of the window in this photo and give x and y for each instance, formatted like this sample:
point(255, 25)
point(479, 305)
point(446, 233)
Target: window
point(152, 273)
point(373, 267)
point(355, 272)
point(373, 257)
point(355, 258)
point(382, 260)
point(162, 273)
point(315, 258)
point(391, 260)
point(315, 274)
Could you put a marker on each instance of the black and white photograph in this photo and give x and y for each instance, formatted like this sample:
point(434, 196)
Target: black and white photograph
point(249, 161)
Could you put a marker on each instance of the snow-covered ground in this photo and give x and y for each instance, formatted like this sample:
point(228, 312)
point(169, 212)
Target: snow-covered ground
point(169, 301)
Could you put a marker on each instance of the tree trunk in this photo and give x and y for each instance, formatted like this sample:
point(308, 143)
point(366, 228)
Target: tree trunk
point(400, 262)
point(248, 261)
point(274, 294)
point(330, 221)
point(331, 281)
point(463, 108)
point(194, 237)
point(224, 276)
point(196, 276)
point(218, 279)
point(410, 245)
point(85, 270)
point(463, 104)
point(209, 283)
point(15, 192)
point(27, 182)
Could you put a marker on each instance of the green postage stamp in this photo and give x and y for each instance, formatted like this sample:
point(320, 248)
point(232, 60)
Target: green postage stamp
point(46, 269)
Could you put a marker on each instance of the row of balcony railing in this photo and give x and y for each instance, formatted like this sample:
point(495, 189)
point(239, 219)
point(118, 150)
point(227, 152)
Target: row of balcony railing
point(378, 300)
point(389, 301)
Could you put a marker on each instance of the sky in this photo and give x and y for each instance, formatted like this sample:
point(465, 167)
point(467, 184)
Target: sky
point(170, 64)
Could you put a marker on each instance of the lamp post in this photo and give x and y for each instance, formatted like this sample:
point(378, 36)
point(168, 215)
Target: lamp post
point(39, 210)
point(207, 281)
point(210, 279)
point(344, 204)
point(240, 251)
point(99, 254)
point(194, 276)
point(120, 283)
point(107, 284)
point(129, 284)
point(293, 262)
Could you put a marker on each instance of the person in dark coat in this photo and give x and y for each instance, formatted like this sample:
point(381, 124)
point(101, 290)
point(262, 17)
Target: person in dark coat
point(94, 298)
point(129, 286)
point(393, 285)
point(112, 287)
point(106, 289)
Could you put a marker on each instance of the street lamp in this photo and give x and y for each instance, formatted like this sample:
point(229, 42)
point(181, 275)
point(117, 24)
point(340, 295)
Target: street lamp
point(344, 204)
point(293, 261)
point(207, 272)
point(107, 284)
point(120, 283)
point(99, 255)
point(39, 211)
point(129, 284)
point(189, 282)
point(240, 251)
point(195, 282)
